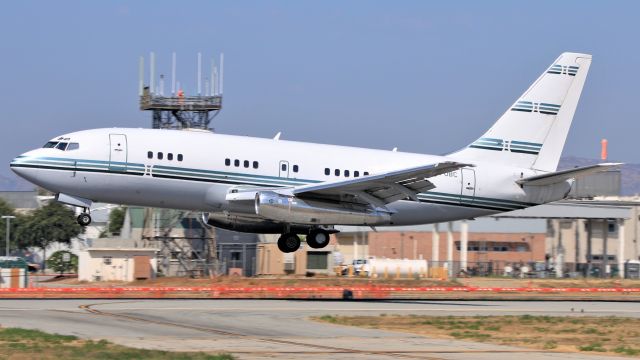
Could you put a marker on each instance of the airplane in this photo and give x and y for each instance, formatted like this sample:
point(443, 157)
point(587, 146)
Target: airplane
point(260, 185)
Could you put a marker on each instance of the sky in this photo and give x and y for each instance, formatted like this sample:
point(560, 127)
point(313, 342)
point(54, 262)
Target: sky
point(423, 76)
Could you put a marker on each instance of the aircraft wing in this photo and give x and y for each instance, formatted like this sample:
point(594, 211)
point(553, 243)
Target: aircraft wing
point(381, 189)
point(559, 176)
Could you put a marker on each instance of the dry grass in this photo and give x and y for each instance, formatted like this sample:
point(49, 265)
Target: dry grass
point(264, 281)
point(18, 344)
point(612, 335)
point(343, 281)
point(551, 283)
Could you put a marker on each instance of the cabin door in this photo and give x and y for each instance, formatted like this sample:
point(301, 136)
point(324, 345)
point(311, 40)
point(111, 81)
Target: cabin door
point(118, 152)
point(468, 191)
point(284, 169)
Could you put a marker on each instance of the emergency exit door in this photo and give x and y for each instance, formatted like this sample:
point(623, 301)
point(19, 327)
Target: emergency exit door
point(468, 190)
point(118, 152)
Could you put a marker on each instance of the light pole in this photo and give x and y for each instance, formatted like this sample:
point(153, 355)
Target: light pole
point(8, 233)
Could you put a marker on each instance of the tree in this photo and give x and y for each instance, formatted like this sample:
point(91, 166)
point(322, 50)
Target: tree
point(52, 223)
point(116, 220)
point(57, 262)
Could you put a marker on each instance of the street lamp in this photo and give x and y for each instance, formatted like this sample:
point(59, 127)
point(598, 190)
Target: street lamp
point(8, 233)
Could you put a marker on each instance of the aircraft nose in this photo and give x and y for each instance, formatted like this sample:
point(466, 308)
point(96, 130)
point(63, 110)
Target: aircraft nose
point(16, 165)
point(20, 165)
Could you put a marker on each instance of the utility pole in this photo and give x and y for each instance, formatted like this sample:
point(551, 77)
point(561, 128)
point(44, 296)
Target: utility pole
point(8, 232)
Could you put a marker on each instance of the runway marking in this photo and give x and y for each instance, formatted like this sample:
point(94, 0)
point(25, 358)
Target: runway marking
point(304, 310)
point(89, 308)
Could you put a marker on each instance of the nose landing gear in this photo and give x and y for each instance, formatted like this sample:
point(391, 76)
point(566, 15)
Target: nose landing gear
point(84, 219)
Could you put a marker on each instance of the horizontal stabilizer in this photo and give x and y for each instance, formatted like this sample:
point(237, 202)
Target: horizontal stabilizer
point(559, 176)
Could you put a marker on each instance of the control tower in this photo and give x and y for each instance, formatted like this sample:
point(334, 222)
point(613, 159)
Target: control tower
point(177, 110)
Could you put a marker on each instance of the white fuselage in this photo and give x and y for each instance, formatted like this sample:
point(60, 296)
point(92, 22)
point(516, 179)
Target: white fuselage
point(122, 166)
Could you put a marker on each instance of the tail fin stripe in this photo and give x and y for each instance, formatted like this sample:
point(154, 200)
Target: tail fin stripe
point(526, 143)
point(563, 70)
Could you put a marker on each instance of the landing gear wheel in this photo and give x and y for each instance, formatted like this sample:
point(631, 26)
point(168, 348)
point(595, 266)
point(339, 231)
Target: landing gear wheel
point(318, 238)
point(288, 242)
point(84, 219)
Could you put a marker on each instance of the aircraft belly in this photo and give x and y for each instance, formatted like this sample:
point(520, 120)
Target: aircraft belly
point(416, 213)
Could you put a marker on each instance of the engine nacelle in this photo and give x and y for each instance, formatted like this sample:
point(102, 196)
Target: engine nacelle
point(293, 210)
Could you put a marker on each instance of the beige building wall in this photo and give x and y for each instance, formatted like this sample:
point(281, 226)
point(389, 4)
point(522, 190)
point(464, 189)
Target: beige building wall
point(572, 237)
point(271, 261)
point(104, 264)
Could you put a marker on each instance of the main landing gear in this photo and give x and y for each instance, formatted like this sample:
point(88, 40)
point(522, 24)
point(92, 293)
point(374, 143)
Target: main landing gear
point(84, 219)
point(318, 238)
point(290, 242)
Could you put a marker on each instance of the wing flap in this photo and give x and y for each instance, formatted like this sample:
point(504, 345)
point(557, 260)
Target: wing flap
point(381, 189)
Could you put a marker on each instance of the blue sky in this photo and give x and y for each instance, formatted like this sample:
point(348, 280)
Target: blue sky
point(423, 76)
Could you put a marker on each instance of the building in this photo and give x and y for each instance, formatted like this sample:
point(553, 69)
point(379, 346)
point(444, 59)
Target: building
point(305, 261)
point(21, 201)
point(117, 264)
point(589, 237)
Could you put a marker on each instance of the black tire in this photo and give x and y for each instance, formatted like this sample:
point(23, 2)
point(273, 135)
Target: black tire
point(318, 238)
point(288, 242)
point(84, 219)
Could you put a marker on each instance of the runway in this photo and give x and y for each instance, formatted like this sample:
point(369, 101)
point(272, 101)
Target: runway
point(267, 329)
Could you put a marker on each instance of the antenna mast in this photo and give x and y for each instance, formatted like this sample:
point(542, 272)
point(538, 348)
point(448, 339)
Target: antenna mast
point(178, 110)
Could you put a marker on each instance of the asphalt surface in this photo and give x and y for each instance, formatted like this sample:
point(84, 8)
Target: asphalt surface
point(267, 329)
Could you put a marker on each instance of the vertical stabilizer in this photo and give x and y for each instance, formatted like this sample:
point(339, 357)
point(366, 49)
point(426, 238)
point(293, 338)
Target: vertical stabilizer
point(533, 131)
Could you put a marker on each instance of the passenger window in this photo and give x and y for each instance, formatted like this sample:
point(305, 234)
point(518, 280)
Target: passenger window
point(346, 173)
point(62, 146)
point(169, 156)
point(50, 144)
point(366, 173)
point(337, 172)
point(236, 162)
point(227, 162)
point(284, 167)
point(255, 164)
point(246, 163)
point(73, 146)
point(295, 168)
point(160, 156)
point(327, 171)
point(149, 154)
point(356, 173)
point(180, 157)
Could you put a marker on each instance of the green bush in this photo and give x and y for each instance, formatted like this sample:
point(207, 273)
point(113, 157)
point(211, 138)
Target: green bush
point(56, 262)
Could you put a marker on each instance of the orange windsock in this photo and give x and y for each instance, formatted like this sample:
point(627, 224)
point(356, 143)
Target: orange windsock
point(603, 154)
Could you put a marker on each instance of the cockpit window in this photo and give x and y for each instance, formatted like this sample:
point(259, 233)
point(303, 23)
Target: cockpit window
point(50, 144)
point(62, 146)
point(73, 146)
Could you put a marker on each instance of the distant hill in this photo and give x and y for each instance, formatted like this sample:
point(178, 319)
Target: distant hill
point(630, 176)
point(630, 172)
point(11, 182)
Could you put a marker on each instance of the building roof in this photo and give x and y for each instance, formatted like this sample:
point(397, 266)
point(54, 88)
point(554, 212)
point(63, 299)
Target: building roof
point(124, 249)
point(575, 209)
point(486, 224)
